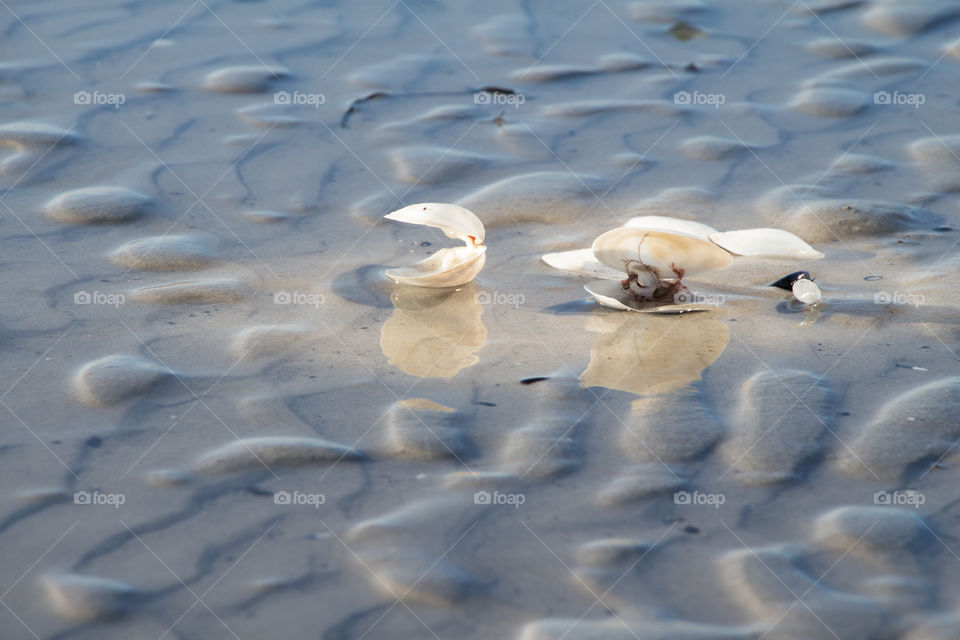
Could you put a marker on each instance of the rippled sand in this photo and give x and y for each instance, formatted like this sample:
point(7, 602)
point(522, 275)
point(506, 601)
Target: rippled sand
point(221, 420)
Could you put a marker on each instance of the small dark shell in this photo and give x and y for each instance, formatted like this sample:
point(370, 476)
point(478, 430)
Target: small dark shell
point(786, 282)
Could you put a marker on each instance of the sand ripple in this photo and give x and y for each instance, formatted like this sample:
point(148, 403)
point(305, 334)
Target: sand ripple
point(98, 205)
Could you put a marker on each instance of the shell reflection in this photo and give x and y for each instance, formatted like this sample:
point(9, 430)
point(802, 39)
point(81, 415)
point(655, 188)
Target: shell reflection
point(653, 354)
point(434, 333)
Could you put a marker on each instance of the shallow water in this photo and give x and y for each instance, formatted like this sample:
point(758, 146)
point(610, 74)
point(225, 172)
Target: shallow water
point(220, 419)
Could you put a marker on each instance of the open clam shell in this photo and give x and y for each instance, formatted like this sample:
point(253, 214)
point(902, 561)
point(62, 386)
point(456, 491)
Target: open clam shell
point(450, 267)
point(649, 256)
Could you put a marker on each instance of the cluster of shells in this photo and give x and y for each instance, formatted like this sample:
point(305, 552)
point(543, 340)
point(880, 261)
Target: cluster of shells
point(639, 266)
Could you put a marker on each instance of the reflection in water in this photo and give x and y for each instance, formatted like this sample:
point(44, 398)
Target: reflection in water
point(652, 354)
point(434, 333)
point(810, 314)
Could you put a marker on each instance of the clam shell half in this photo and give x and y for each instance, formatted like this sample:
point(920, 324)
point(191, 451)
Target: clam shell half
point(455, 221)
point(450, 267)
point(610, 294)
point(767, 243)
point(662, 250)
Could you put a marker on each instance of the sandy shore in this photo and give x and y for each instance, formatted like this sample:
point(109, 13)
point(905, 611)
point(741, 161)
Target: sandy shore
point(221, 420)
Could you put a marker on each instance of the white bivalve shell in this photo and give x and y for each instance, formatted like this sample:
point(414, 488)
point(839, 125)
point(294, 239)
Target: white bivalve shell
point(611, 294)
point(581, 261)
point(668, 252)
point(650, 255)
point(807, 292)
point(767, 243)
point(675, 225)
point(450, 267)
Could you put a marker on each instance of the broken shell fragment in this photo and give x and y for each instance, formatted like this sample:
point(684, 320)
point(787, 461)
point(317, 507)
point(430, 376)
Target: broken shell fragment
point(807, 291)
point(451, 267)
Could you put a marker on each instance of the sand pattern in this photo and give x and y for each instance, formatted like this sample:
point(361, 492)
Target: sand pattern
point(220, 418)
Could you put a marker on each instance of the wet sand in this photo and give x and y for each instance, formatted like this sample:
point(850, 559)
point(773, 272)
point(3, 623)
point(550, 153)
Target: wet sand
point(220, 418)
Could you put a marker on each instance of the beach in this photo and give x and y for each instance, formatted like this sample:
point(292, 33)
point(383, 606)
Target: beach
point(222, 419)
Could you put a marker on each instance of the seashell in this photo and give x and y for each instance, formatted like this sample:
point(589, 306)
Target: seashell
point(807, 292)
point(665, 251)
point(611, 294)
point(446, 268)
point(450, 267)
point(801, 284)
point(786, 282)
point(656, 252)
point(581, 261)
point(766, 243)
point(675, 225)
point(455, 221)
point(655, 262)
